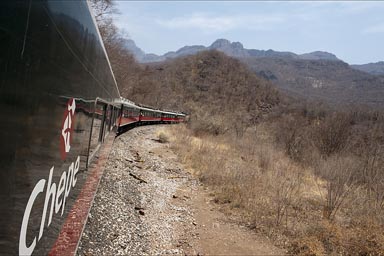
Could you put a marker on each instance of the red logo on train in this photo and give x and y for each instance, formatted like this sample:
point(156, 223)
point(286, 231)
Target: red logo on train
point(67, 128)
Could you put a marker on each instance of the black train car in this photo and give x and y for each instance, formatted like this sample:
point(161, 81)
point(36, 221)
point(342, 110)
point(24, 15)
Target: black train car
point(57, 95)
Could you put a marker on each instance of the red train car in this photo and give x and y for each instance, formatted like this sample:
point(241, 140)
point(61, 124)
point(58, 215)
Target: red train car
point(133, 115)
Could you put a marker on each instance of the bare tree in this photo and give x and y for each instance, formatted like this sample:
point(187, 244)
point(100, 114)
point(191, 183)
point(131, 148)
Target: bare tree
point(373, 168)
point(287, 192)
point(340, 177)
point(103, 9)
point(331, 134)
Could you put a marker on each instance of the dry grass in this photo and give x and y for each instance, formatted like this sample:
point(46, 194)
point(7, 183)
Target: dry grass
point(280, 198)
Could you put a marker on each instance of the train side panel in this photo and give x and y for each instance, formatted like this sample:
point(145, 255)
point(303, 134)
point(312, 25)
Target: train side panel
point(54, 78)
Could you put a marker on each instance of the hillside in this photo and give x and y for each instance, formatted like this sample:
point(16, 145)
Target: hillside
point(372, 68)
point(317, 75)
point(208, 84)
point(330, 81)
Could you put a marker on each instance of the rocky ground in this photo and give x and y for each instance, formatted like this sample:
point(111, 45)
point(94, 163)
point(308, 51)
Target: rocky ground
point(148, 204)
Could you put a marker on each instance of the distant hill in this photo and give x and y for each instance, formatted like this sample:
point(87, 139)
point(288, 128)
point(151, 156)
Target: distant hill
point(318, 55)
point(220, 92)
point(232, 49)
point(330, 81)
point(316, 75)
point(186, 50)
point(139, 54)
point(372, 68)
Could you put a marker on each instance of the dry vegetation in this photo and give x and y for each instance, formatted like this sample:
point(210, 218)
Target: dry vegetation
point(308, 176)
point(326, 206)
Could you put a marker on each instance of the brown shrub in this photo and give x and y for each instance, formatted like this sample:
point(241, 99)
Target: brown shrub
point(363, 240)
point(331, 134)
point(293, 134)
point(308, 245)
point(163, 138)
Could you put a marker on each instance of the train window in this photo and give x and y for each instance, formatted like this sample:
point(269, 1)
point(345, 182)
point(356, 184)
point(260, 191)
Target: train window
point(111, 119)
point(116, 120)
point(103, 124)
point(107, 123)
point(97, 127)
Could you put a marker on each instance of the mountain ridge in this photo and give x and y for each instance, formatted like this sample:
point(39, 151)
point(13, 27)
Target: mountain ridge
point(376, 68)
point(331, 81)
point(232, 49)
point(317, 75)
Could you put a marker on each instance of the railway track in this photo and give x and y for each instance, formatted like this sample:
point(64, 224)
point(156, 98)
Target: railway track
point(148, 204)
point(136, 209)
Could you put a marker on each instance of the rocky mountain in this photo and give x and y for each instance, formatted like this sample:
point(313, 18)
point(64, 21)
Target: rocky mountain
point(184, 51)
point(372, 68)
point(318, 55)
point(232, 49)
point(139, 54)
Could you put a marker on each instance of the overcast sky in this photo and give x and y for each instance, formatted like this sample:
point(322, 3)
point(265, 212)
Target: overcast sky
point(352, 30)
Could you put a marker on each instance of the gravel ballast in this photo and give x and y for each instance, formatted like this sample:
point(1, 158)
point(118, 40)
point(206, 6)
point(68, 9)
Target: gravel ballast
point(139, 208)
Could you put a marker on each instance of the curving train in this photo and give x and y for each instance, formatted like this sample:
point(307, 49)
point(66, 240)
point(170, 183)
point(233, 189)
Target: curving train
point(60, 111)
point(136, 114)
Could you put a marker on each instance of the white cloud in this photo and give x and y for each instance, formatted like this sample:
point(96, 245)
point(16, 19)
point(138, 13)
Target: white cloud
point(358, 7)
point(199, 21)
point(378, 28)
point(219, 23)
